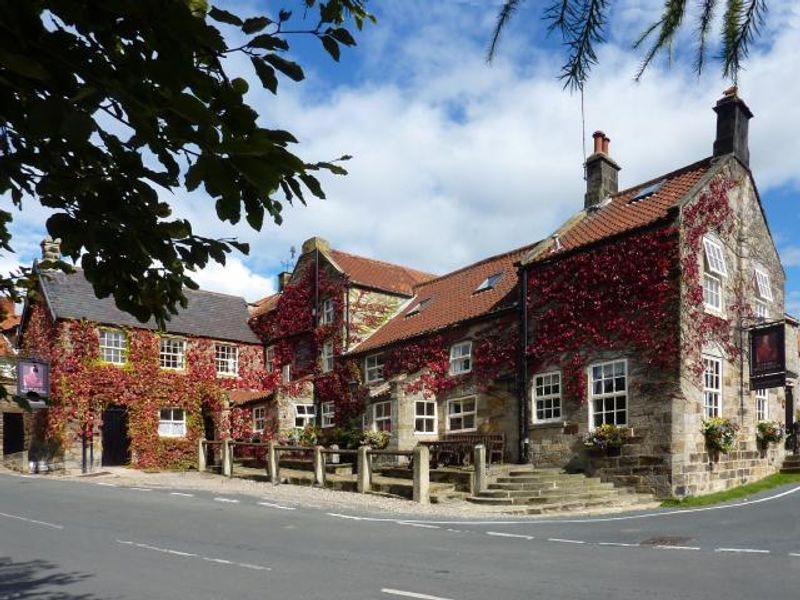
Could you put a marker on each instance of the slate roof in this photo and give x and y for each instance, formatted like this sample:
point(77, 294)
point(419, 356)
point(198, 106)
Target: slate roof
point(208, 314)
point(623, 213)
point(265, 305)
point(452, 299)
point(378, 274)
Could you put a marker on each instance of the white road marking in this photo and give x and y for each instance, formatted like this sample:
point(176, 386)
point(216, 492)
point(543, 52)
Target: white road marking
point(620, 544)
point(509, 535)
point(179, 553)
point(422, 525)
point(34, 521)
point(742, 550)
point(254, 567)
point(229, 500)
point(219, 561)
point(353, 518)
point(181, 494)
point(411, 594)
point(563, 541)
point(454, 530)
point(273, 505)
point(665, 547)
point(794, 553)
point(138, 489)
point(104, 484)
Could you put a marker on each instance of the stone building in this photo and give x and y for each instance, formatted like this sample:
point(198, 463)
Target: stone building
point(15, 423)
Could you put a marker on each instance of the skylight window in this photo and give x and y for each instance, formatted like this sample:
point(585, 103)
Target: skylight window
point(489, 282)
point(647, 191)
point(418, 308)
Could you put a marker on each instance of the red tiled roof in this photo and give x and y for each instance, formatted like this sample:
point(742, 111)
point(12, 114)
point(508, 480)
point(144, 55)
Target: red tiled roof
point(623, 214)
point(379, 275)
point(241, 397)
point(265, 305)
point(452, 299)
point(10, 322)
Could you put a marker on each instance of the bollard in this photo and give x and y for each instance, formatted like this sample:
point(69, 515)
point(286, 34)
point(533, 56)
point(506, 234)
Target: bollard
point(422, 476)
point(364, 482)
point(273, 466)
point(479, 476)
point(227, 458)
point(201, 455)
point(335, 458)
point(319, 467)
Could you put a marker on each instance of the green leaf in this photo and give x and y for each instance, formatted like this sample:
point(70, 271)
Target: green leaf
point(255, 24)
point(342, 36)
point(22, 65)
point(255, 216)
point(331, 46)
point(266, 74)
point(77, 127)
point(267, 41)
point(312, 184)
point(240, 86)
point(291, 69)
point(223, 16)
point(284, 15)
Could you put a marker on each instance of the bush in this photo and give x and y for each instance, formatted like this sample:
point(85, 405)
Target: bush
point(720, 433)
point(377, 440)
point(606, 436)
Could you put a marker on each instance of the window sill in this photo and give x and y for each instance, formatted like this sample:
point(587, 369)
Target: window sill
point(425, 433)
point(550, 424)
point(715, 312)
point(228, 375)
point(473, 430)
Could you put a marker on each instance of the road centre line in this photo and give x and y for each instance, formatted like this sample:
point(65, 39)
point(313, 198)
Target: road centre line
point(181, 494)
point(228, 500)
point(794, 553)
point(140, 489)
point(509, 535)
point(34, 521)
point(666, 547)
point(619, 544)
point(405, 594)
point(742, 550)
point(273, 505)
point(564, 541)
point(219, 561)
point(421, 525)
point(106, 484)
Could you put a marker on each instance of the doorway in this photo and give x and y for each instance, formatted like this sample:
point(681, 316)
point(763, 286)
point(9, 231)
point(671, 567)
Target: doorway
point(13, 433)
point(116, 443)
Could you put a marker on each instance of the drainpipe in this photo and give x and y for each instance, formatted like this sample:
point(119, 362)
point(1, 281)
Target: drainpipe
point(315, 324)
point(522, 370)
point(347, 316)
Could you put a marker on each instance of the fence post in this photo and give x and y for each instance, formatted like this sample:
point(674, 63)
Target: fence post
point(227, 458)
point(422, 476)
point(201, 455)
point(319, 467)
point(479, 476)
point(364, 481)
point(273, 466)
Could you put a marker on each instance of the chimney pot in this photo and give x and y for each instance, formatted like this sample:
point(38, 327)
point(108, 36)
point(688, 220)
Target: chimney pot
point(51, 249)
point(598, 136)
point(283, 280)
point(606, 142)
point(601, 172)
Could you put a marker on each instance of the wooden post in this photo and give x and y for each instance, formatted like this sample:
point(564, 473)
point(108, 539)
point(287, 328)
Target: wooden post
point(422, 476)
point(479, 476)
point(364, 482)
point(201, 455)
point(227, 458)
point(273, 464)
point(319, 467)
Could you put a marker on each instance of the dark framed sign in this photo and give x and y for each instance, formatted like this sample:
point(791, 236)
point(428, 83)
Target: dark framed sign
point(33, 378)
point(768, 356)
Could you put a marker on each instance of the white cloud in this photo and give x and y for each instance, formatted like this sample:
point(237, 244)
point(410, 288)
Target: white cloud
point(793, 303)
point(234, 278)
point(790, 256)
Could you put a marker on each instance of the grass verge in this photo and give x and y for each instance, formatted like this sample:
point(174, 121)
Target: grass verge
point(742, 491)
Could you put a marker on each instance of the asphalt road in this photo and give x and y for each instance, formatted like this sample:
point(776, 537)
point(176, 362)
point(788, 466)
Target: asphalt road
point(81, 540)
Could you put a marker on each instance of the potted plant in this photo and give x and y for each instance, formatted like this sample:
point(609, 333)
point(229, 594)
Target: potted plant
point(769, 432)
point(606, 437)
point(720, 434)
point(377, 440)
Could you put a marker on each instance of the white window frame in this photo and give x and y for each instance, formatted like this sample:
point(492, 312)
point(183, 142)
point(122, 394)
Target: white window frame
point(427, 419)
point(462, 414)
point(550, 401)
point(171, 427)
point(373, 368)
point(269, 359)
point(710, 294)
point(259, 418)
point(286, 373)
point(382, 416)
point(762, 310)
point(762, 405)
point(328, 312)
point(715, 256)
point(113, 346)
point(603, 395)
point(763, 285)
point(328, 414)
point(226, 362)
point(461, 361)
point(327, 356)
point(173, 357)
point(304, 415)
point(490, 282)
point(712, 386)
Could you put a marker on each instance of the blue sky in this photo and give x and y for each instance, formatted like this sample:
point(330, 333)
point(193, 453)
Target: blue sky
point(455, 160)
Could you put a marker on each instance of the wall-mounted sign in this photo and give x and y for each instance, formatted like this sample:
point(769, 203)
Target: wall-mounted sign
point(767, 356)
point(33, 378)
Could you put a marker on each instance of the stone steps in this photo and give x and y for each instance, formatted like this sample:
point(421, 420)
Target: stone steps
point(791, 465)
point(554, 485)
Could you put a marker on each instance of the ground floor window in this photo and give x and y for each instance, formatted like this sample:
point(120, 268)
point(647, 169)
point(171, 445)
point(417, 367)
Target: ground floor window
point(383, 416)
point(172, 422)
point(259, 418)
point(712, 386)
point(461, 414)
point(762, 405)
point(327, 414)
point(608, 388)
point(425, 416)
point(547, 396)
point(304, 414)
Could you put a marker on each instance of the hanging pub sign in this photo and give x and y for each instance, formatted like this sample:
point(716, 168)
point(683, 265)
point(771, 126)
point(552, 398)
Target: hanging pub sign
point(767, 356)
point(33, 378)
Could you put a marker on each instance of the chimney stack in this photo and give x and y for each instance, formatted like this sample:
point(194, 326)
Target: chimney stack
point(283, 280)
point(51, 249)
point(601, 172)
point(732, 118)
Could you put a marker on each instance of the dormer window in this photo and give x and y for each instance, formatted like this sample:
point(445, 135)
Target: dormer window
point(489, 282)
point(715, 257)
point(763, 285)
point(328, 312)
point(418, 308)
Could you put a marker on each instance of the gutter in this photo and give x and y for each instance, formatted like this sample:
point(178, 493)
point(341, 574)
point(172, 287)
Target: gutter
point(522, 369)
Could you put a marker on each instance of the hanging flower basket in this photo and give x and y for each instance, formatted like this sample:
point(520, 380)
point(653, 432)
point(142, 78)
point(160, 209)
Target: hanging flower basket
point(769, 432)
point(720, 434)
point(606, 437)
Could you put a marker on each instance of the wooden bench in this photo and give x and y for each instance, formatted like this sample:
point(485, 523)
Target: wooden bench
point(456, 448)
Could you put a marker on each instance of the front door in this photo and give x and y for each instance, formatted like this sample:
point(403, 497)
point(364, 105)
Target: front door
point(116, 444)
point(13, 433)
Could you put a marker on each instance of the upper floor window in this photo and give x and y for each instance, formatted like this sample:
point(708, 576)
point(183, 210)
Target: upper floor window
point(328, 312)
point(763, 285)
point(762, 405)
point(226, 359)
point(715, 257)
point(286, 373)
point(172, 422)
point(172, 354)
point(269, 359)
point(259, 418)
point(712, 386)
point(712, 292)
point(327, 356)
point(373, 368)
point(383, 416)
point(113, 346)
point(547, 396)
point(608, 388)
point(328, 414)
point(762, 310)
point(461, 358)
